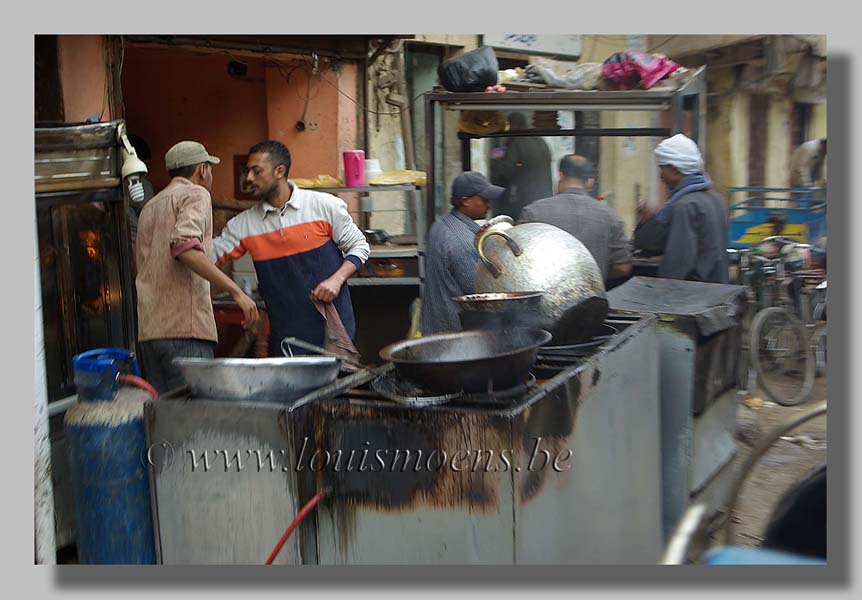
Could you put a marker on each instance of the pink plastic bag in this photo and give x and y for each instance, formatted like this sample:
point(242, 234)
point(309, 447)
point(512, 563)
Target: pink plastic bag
point(631, 69)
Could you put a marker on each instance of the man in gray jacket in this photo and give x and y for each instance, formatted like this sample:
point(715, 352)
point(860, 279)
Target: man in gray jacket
point(594, 223)
point(695, 216)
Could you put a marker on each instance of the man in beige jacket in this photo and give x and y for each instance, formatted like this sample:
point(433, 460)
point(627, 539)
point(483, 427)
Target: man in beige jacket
point(175, 312)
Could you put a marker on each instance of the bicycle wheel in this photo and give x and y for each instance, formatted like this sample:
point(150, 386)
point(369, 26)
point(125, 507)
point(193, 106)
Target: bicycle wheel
point(781, 356)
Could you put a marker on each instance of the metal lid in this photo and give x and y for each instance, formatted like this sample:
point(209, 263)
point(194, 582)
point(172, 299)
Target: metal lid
point(713, 306)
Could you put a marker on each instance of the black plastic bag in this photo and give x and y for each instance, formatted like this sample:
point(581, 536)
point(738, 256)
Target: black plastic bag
point(471, 72)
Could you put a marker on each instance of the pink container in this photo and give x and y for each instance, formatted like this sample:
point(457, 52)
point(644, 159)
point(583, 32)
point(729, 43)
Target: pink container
point(354, 168)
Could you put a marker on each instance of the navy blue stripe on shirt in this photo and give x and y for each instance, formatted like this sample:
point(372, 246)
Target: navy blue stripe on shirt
point(286, 283)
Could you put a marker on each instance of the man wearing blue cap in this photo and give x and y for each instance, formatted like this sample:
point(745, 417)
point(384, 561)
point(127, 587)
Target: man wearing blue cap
point(450, 263)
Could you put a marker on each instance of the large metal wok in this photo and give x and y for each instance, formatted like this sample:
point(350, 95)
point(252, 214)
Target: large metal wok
point(281, 380)
point(468, 361)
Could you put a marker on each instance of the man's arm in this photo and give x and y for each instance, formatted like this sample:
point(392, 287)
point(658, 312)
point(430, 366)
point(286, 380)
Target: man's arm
point(346, 235)
point(193, 211)
point(228, 245)
point(619, 252)
point(198, 262)
point(680, 251)
point(352, 243)
point(328, 289)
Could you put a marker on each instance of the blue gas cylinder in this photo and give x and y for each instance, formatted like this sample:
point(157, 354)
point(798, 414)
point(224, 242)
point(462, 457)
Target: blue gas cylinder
point(106, 442)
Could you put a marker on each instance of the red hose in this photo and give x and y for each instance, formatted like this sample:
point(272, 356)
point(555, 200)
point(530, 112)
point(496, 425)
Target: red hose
point(309, 506)
point(138, 382)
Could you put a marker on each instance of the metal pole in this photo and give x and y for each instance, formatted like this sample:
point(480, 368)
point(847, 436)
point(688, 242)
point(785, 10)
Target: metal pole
point(46, 544)
point(430, 164)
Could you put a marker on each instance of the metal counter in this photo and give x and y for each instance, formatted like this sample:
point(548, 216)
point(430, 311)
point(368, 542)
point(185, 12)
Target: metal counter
point(699, 336)
point(602, 505)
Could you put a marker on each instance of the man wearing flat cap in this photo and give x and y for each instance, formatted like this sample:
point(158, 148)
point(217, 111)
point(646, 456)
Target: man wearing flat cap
point(694, 216)
point(450, 263)
point(175, 312)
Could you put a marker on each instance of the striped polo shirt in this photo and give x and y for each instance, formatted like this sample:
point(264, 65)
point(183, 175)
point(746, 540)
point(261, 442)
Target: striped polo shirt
point(293, 250)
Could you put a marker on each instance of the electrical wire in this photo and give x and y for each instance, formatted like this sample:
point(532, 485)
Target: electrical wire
point(307, 98)
point(120, 77)
point(369, 110)
point(309, 506)
point(106, 95)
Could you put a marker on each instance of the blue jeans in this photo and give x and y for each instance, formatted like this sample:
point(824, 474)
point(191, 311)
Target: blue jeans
point(157, 357)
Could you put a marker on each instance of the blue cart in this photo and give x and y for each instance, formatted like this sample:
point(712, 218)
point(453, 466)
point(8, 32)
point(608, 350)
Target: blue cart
point(802, 210)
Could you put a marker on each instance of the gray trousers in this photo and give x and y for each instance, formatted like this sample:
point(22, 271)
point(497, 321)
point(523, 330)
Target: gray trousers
point(156, 356)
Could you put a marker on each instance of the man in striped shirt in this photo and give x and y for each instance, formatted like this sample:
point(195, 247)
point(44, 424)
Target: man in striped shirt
point(450, 264)
point(303, 243)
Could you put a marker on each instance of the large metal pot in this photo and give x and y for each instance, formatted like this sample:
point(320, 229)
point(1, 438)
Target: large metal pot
point(538, 256)
point(469, 361)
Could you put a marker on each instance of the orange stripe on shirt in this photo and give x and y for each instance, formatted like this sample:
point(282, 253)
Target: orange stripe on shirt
point(289, 241)
point(232, 255)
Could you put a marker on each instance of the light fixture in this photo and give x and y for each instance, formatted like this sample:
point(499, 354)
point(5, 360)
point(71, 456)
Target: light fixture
point(133, 168)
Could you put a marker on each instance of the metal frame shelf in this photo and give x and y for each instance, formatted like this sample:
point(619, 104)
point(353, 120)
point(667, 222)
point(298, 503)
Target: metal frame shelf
point(376, 252)
point(689, 96)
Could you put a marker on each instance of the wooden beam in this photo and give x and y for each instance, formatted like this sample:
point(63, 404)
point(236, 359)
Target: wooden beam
point(725, 57)
point(677, 47)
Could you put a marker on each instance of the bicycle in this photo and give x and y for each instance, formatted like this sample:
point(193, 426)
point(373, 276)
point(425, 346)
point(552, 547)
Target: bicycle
point(750, 270)
point(787, 337)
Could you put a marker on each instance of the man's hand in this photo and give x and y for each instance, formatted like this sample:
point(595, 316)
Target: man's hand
point(643, 213)
point(328, 289)
point(249, 309)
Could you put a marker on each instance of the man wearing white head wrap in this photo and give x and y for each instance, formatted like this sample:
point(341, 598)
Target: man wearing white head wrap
point(680, 152)
point(695, 217)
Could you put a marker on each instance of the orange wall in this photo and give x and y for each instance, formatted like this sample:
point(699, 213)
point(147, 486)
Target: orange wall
point(82, 75)
point(348, 127)
point(172, 95)
point(315, 151)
